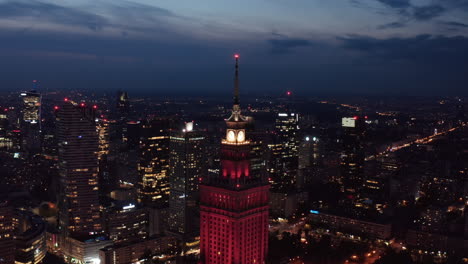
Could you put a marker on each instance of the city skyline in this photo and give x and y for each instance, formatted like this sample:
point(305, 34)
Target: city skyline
point(247, 132)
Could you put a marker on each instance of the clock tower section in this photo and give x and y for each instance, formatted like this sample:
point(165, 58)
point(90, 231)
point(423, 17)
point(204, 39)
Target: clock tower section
point(234, 204)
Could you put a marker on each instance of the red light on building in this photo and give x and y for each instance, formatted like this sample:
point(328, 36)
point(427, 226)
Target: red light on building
point(65, 99)
point(365, 117)
point(355, 117)
point(56, 108)
point(288, 93)
point(94, 106)
point(236, 56)
point(82, 105)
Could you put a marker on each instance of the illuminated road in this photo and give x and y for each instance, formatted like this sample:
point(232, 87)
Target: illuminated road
point(420, 141)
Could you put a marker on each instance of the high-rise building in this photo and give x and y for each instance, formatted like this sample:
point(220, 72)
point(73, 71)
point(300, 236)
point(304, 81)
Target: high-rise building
point(7, 246)
point(234, 204)
point(187, 166)
point(284, 155)
point(153, 166)
point(107, 179)
point(31, 121)
point(78, 145)
point(123, 104)
point(5, 139)
point(352, 156)
point(308, 161)
point(123, 111)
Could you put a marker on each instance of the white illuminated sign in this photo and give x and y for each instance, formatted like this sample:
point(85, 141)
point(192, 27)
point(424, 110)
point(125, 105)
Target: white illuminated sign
point(348, 122)
point(130, 206)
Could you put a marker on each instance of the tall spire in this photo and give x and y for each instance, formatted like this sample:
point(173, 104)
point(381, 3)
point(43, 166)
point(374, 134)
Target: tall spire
point(236, 81)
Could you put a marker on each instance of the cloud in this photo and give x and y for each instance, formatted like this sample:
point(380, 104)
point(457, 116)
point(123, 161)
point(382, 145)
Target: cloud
point(455, 24)
point(136, 12)
point(287, 45)
point(423, 49)
point(427, 12)
point(396, 3)
point(40, 11)
point(409, 11)
point(392, 25)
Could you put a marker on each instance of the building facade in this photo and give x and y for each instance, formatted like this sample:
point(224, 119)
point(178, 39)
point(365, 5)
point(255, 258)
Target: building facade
point(126, 222)
point(79, 213)
point(153, 189)
point(284, 157)
point(352, 156)
point(31, 121)
point(187, 166)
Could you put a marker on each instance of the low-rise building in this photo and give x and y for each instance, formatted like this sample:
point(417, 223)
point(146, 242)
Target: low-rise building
point(136, 251)
point(370, 229)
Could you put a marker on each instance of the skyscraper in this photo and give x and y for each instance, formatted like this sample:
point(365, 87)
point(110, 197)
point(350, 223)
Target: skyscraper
point(352, 156)
point(234, 204)
point(284, 152)
point(5, 140)
point(187, 166)
point(106, 180)
point(123, 104)
point(308, 160)
point(31, 121)
point(78, 168)
point(154, 162)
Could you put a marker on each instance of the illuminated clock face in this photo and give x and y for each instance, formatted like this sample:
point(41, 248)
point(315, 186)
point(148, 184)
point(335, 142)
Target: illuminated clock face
point(240, 136)
point(231, 136)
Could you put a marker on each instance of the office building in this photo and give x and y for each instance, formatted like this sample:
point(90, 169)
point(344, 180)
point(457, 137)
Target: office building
point(352, 156)
point(31, 121)
point(78, 143)
point(125, 222)
point(153, 189)
point(187, 166)
point(284, 156)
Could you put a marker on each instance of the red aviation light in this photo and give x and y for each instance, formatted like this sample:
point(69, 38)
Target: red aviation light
point(236, 56)
point(82, 104)
point(65, 99)
point(355, 117)
point(94, 106)
point(288, 93)
point(56, 108)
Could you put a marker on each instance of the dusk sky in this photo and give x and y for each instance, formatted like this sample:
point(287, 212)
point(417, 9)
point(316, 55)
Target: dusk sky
point(185, 46)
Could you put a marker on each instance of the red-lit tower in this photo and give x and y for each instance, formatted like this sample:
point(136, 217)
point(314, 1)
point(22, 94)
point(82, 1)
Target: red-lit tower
point(234, 204)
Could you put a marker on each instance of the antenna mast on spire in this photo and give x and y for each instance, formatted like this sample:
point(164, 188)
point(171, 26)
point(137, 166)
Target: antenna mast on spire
point(236, 81)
